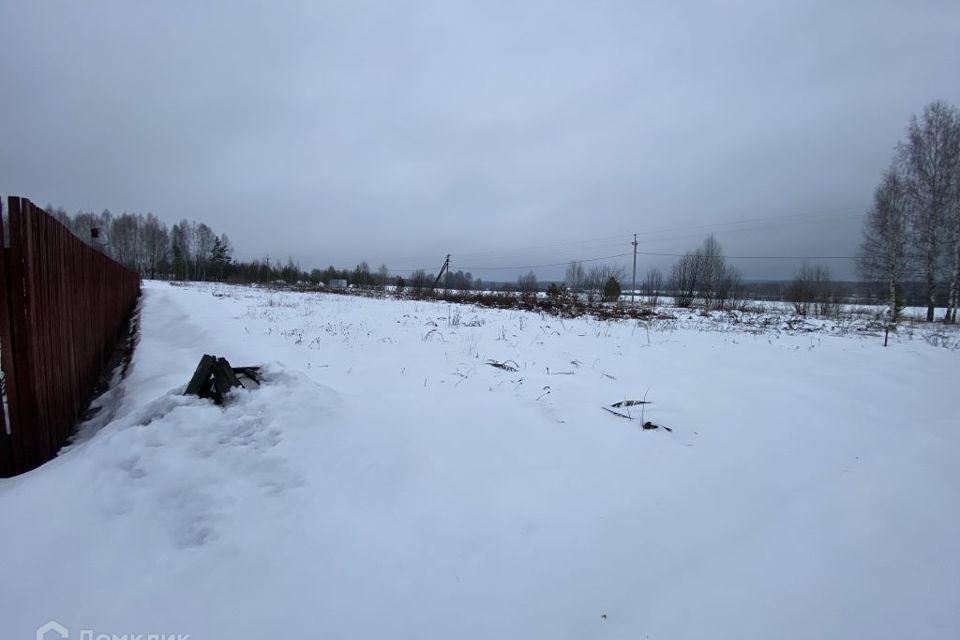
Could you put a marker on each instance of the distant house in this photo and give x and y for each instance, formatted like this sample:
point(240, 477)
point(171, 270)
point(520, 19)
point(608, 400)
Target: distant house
point(338, 283)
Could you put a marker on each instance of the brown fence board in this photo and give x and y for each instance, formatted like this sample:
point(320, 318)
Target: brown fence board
point(7, 452)
point(62, 308)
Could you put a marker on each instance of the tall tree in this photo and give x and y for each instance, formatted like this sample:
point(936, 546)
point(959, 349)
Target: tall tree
point(221, 256)
point(125, 241)
point(104, 222)
point(204, 238)
point(575, 276)
point(883, 250)
point(180, 248)
point(156, 239)
point(712, 267)
point(953, 221)
point(929, 160)
point(652, 285)
point(383, 274)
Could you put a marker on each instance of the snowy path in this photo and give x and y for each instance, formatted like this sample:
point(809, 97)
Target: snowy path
point(387, 483)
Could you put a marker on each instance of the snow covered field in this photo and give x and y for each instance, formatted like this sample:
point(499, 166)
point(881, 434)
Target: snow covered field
point(387, 483)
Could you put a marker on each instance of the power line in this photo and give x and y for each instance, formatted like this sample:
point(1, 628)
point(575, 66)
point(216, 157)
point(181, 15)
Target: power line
point(623, 255)
point(607, 241)
point(680, 255)
point(765, 227)
point(408, 269)
point(554, 264)
point(652, 253)
point(839, 213)
point(731, 226)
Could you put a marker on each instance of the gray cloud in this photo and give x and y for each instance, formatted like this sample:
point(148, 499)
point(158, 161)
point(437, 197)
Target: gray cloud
point(401, 131)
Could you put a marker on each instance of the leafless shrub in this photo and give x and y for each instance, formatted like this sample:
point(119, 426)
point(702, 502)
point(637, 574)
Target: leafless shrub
point(943, 339)
point(811, 290)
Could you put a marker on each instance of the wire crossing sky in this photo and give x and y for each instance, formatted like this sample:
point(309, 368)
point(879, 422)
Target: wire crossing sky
point(334, 132)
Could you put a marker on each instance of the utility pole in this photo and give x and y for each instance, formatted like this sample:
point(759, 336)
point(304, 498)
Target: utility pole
point(444, 270)
point(633, 287)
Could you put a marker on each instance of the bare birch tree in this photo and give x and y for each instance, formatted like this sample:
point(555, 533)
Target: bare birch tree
point(203, 247)
point(953, 220)
point(125, 241)
point(156, 240)
point(652, 285)
point(883, 250)
point(383, 274)
point(575, 276)
point(712, 269)
point(928, 160)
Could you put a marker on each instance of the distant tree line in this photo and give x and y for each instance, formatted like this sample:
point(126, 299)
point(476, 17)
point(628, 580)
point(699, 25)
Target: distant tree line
point(186, 251)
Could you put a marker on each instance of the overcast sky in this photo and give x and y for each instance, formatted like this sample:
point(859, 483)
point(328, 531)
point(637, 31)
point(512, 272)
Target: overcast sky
point(505, 133)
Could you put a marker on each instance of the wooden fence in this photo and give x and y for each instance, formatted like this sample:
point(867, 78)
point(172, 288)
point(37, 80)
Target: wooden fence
point(63, 305)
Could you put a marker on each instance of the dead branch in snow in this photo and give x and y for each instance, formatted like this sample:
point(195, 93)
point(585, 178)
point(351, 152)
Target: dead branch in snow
point(630, 403)
point(506, 365)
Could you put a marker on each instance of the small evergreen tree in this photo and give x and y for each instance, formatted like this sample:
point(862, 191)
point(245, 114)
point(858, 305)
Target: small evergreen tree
point(611, 290)
point(220, 257)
